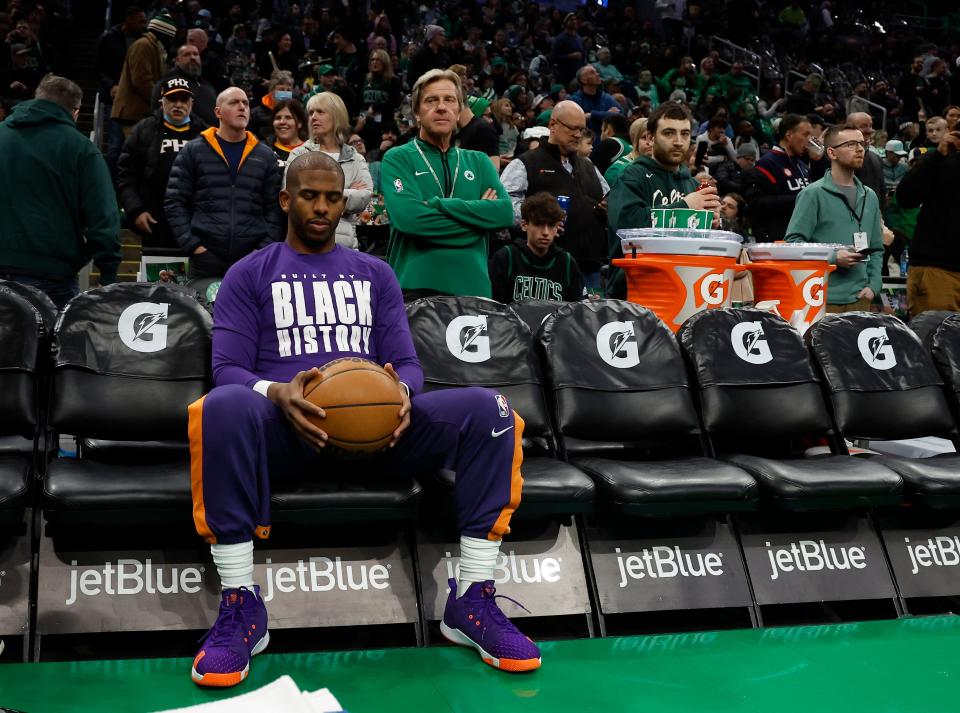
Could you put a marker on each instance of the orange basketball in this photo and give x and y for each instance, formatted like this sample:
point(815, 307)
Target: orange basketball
point(362, 402)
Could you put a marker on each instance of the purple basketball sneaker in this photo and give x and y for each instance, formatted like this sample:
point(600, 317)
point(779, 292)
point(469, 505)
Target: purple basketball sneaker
point(239, 632)
point(475, 620)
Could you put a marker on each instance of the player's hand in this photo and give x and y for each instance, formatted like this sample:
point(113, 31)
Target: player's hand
point(200, 250)
point(289, 397)
point(404, 408)
point(489, 195)
point(848, 258)
point(706, 198)
point(867, 293)
point(144, 221)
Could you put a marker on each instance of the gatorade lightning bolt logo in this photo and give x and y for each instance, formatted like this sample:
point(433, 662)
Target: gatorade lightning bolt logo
point(875, 348)
point(617, 345)
point(467, 338)
point(703, 288)
point(140, 328)
point(813, 290)
point(750, 343)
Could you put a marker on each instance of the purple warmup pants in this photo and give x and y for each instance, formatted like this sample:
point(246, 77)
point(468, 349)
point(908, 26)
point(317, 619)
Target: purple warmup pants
point(238, 439)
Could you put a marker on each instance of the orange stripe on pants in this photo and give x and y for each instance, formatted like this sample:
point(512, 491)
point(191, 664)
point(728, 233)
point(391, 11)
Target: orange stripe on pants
point(195, 432)
point(502, 526)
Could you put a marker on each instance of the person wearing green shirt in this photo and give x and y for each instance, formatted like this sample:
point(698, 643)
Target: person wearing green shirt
point(661, 180)
point(443, 201)
point(839, 209)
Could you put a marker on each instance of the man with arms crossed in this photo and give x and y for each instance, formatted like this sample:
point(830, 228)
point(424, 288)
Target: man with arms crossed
point(443, 201)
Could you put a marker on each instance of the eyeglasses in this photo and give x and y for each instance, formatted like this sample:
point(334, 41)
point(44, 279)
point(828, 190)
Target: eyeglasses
point(572, 129)
point(356, 142)
point(851, 144)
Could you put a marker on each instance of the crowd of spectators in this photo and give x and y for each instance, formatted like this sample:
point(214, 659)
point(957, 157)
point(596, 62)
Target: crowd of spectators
point(558, 101)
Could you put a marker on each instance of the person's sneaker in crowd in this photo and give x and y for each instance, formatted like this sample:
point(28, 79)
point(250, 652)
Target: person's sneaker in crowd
point(239, 632)
point(475, 620)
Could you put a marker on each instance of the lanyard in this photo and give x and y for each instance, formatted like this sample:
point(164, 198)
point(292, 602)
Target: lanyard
point(433, 173)
point(863, 209)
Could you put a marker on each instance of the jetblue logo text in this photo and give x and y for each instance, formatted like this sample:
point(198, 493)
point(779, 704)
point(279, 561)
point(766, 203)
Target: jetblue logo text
point(662, 562)
point(322, 574)
point(814, 556)
point(513, 569)
point(129, 576)
point(939, 551)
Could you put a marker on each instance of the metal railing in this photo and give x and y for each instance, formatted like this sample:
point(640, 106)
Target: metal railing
point(99, 117)
point(736, 53)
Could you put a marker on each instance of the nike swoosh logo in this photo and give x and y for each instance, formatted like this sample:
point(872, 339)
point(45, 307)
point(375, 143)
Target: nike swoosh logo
point(419, 173)
point(649, 175)
point(496, 434)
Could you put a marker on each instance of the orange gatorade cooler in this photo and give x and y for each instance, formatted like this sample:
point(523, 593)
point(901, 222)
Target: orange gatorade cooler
point(677, 273)
point(795, 276)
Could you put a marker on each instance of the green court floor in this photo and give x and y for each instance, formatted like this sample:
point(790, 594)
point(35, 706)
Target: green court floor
point(910, 665)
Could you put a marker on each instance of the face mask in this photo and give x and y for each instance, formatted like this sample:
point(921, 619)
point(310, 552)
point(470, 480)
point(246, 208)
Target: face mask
point(281, 95)
point(169, 120)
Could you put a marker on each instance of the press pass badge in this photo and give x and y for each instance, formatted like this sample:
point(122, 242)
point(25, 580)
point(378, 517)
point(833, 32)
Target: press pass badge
point(860, 241)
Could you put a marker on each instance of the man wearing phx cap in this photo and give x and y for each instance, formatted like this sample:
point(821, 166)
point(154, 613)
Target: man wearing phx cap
point(147, 158)
point(142, 68)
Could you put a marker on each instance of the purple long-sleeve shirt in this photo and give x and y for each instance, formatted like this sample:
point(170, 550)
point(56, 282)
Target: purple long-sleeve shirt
point(279, 312)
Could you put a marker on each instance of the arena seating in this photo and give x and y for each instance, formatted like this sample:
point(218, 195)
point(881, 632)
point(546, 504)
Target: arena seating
point(20, 338)
point(128, 406)
point(758, 395)
point(634, 430)
point(943, 341)
point(128, 360)
point(533, 312)
point(473, 341)
point(883, 385)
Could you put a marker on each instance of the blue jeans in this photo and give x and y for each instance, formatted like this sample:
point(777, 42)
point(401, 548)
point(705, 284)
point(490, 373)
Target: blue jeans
point(60, 291)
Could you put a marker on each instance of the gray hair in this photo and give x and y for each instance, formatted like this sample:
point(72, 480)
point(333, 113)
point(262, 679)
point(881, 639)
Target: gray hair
point(61, 91)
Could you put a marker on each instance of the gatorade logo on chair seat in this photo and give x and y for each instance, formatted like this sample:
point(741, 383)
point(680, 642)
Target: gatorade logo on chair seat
point(750, 343)
point(467, 338)
point(617, 345)
point(875, 348)
point(140, 326)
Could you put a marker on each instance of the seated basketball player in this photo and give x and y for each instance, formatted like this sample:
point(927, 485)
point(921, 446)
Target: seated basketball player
point(280, 313)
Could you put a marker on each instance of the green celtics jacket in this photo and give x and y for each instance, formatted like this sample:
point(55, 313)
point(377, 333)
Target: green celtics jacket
point(439, 224)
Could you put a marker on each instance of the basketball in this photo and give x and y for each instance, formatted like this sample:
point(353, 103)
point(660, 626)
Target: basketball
point(362, 402)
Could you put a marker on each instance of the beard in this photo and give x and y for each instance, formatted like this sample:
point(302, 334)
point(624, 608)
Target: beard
point(191, 71)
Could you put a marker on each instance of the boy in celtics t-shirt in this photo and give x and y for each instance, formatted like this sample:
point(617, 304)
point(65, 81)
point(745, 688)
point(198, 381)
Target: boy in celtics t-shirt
point(282, 311)
point(443, 201)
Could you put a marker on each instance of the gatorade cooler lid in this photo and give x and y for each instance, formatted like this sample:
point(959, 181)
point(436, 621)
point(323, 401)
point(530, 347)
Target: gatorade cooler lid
point(660, 241)
point(791, 251)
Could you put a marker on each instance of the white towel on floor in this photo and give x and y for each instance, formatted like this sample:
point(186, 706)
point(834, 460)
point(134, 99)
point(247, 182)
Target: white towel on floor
point(281, 696)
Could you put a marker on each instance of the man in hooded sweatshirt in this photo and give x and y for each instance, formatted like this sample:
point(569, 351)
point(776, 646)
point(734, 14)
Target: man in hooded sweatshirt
point(534, 267)
point(57, 209)
point(658, 181)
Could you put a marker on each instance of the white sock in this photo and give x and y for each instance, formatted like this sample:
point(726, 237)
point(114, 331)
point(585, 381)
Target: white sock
point(234, 564)
point(478, 558)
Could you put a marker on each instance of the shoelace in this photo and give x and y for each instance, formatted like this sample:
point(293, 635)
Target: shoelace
point(229, 620)
point(490, 598)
